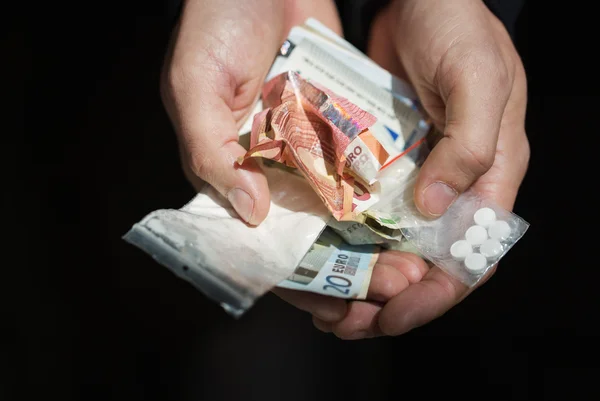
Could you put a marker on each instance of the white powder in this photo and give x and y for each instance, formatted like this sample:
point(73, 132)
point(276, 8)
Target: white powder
point(207, 244)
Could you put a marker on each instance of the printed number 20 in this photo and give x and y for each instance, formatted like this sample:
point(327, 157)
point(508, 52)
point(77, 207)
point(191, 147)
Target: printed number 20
point(335, 284)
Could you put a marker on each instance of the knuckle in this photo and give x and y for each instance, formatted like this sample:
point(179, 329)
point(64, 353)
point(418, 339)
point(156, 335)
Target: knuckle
point(499, 71)
point(491, 68)
point(201, 164)
point(178, 78)
point(479, 159)
point(477, 66)
point(473, 160)
point(185, 73)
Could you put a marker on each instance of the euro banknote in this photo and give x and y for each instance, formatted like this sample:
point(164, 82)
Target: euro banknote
point(334, 268)
point(325, 136)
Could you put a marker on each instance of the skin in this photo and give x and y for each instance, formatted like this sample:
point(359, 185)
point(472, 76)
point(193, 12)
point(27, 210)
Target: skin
point(219, 56)
point(467, 73)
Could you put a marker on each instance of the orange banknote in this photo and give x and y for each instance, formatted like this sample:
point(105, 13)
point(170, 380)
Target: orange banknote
point(325, 136)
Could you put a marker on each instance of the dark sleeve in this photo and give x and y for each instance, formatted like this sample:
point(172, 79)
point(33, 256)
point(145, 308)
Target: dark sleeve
point(357, 16)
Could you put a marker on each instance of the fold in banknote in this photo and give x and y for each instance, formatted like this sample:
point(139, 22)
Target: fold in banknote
point(327, 137)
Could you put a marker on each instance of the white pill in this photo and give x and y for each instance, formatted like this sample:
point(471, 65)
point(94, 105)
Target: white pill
point(491, 248)
point(475, 235)
point(499, 230)
point(484, 217)
point(461, 249)
point(475, 263)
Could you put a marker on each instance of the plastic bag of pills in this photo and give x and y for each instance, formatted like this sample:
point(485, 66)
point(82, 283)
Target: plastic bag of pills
point(469, 239)
point(466, 241)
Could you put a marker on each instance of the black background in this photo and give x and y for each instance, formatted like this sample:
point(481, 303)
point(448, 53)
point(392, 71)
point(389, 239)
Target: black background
point(87, 316)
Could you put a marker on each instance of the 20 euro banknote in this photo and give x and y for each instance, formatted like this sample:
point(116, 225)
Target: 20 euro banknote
point(333, 267)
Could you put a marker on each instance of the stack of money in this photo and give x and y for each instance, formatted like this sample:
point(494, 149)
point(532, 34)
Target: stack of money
point(398, 125)
point(329, 122)
point(339, 118)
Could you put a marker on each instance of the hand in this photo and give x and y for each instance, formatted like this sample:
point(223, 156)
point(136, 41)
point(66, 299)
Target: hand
point(219, 56)
point(471, 81)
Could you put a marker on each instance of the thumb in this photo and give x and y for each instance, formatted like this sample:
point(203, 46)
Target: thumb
point(474, 94)
point(209, 140)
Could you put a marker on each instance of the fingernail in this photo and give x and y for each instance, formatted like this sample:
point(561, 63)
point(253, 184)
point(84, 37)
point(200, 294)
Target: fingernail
point(438, 197)
point(242, 203)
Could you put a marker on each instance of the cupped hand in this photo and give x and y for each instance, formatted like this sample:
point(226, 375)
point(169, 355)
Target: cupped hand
point(219, 56)
point(470, 80)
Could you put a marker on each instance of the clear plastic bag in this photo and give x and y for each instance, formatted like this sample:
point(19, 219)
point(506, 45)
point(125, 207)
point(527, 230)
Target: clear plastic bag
point(208, 245)
point(466, 241)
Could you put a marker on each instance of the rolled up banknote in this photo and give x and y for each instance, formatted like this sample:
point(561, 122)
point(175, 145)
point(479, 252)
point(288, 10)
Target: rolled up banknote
point(333, 267)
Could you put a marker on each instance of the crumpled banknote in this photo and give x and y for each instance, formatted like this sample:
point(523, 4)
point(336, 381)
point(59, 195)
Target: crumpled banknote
point(308, 127)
